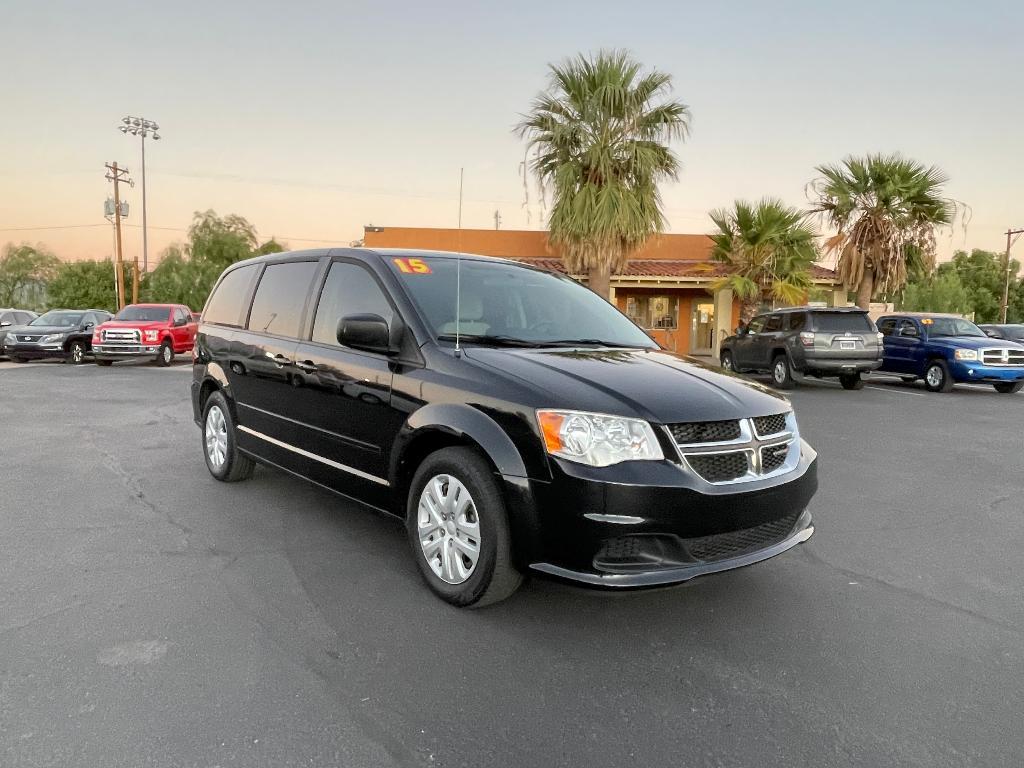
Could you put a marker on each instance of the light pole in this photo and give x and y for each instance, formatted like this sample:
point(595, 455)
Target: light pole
point(140, 126)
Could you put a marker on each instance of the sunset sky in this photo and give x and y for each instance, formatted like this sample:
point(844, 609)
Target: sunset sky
point(312, 119)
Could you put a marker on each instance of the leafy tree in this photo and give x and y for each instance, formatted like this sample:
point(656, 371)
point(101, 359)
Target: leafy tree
point(86, 285)
point(941, 292)
point(983, 277)
point(220, 241)
point(600, 135)
point(24, 270)
point(768, 250)
point(271, 246)
point(885, 209)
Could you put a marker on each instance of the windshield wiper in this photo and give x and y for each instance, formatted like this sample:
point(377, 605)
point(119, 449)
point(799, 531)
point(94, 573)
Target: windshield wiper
point(496, 340)
point(586, 342)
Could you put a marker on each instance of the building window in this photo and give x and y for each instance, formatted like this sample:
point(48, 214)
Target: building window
point(653, 312)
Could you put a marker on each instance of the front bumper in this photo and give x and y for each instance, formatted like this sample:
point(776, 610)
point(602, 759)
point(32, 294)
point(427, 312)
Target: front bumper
point(124, 351)
point(964, 372)
point(658, 524)
point(35, 351)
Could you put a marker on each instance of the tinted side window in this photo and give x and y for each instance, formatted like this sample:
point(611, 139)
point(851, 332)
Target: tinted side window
point(841, 322)
point(350, 290)
point(226, 305)
point(7, 317)
point(907, 328)
point(774, 324)
point(180, 315)
point(277, 306)
point(797, 321)
point(887, 326)
point(757, 324)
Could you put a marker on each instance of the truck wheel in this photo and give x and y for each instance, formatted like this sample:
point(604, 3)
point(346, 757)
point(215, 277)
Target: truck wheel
point(937, 378)
point(19, 359)
point(1009, 387)
point(166, 355)
point(458, 529)
point(76, 353)
point(726, 360)
point(220, 446)
point(851, 381)
point(782, 373)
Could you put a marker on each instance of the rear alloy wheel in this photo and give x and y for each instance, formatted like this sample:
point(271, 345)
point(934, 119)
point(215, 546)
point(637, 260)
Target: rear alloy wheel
point(726, 360)
point(458, 529)
point(166, 355)
point(219, 445)
point(1009, 387)
point(782, 374)
point(851, 381)
point(76, 353)
point(937, 378)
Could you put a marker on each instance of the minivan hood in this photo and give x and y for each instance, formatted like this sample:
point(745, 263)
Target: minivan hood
point(654, 385)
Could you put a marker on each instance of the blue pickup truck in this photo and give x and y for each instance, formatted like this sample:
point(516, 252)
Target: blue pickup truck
point(945, 350)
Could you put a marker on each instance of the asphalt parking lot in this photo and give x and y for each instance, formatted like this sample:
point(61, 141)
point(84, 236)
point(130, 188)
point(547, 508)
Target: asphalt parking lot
point(150, 616)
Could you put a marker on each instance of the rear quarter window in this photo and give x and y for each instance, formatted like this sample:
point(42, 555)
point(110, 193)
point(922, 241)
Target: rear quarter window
point(841, 322)
point(281, 297)
point(229, 301)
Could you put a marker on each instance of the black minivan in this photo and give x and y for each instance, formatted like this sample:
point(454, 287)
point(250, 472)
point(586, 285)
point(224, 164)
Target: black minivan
point(517, 421)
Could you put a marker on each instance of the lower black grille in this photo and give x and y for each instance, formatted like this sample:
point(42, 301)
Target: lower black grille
point(770, 425)
point(773, 457)
point(720, 467)
point(705, 431)
point(735, 543)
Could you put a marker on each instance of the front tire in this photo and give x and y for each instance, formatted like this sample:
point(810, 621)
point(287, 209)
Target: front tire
point(76, 353)
point(1009, 387)
point(458, 529)
point(727, 362)
point(220, 446)
point(937, 378)
point(851, 381)
point(782, 372)
point(166, 355)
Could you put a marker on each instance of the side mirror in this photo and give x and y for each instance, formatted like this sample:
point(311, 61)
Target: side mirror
point(369, 333)
point(180, 321)
point(87, 326)
point(5, 324)
point(993, 334)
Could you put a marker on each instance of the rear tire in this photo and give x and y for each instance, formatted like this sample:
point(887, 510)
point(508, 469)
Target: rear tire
point(1009, 387)
point(937, 378)
point(492, 576)
point(166, 355)
point(851, 381)
point(782, 372)
point(220, 447)
point(19, 359)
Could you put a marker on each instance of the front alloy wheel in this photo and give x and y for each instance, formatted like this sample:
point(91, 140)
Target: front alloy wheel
point(166, 355)
point(937, 378)
point(76, 353)
point(727, 364)
point(458, 529)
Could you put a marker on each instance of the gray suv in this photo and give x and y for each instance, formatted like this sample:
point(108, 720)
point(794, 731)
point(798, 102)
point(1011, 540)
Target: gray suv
point(806, 341)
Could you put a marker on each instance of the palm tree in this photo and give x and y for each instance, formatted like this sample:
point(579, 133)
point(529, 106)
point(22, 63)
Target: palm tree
point(885, 209)
point(768, 250)
point(600, 135)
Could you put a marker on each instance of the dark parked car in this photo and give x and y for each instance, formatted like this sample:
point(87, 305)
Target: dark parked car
point(1010, 332)
point(523, 425)
point(945, 350)
point(10, 318)
point(840, 342)
point(61, 333)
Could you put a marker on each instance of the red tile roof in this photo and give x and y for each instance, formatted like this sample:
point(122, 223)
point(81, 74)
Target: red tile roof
point(673, 268)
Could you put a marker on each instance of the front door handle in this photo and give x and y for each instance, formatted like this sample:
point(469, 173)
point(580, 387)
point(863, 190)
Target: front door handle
point(306, 366)
point(280, 360)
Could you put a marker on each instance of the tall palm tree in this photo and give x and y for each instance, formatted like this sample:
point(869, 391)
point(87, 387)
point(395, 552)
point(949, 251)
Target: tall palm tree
point(885, 209)
point(768, 250)
point(600, 135)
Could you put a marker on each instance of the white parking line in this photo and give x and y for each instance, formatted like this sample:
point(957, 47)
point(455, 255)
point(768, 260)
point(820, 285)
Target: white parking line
point(896, 391)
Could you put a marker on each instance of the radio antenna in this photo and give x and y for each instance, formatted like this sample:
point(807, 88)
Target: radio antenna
point(458, 270)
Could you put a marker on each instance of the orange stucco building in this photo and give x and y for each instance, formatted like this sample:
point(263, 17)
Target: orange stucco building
point(665, 288)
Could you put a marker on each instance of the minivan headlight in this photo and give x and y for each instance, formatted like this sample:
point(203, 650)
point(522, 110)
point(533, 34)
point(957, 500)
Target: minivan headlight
point(596, 439)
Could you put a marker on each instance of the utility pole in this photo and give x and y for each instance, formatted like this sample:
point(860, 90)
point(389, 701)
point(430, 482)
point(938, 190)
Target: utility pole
point(497, 219)
point(119, 175)
point(1010, 233)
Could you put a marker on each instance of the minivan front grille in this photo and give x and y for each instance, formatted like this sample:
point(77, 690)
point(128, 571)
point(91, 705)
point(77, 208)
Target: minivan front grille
point(770, 425)
point(694, 432)
point(1003, 357)
point(720, 467)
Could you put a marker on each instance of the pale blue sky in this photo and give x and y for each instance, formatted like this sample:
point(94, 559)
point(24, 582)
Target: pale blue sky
point(314, 118)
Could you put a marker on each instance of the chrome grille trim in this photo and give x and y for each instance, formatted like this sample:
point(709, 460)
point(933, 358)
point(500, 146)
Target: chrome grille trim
point(763, 458)
point(1002, 357)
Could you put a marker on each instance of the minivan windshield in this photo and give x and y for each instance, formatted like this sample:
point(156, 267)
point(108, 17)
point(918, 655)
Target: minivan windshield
point(58, 319)
point(512, 305)
point(144, 314)
point(951, 326)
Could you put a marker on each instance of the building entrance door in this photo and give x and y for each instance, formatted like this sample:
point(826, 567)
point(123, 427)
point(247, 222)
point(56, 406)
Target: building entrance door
point(702, 328)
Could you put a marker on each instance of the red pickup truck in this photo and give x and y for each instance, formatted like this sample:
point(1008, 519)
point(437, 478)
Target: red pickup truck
point(156, 331)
